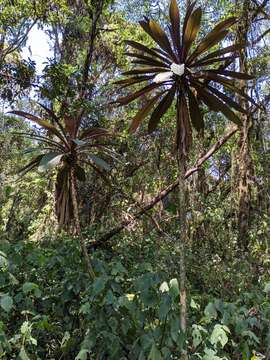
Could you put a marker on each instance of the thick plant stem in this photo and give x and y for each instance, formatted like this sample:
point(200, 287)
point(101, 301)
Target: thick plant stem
point(77, 224)
point(182, 191)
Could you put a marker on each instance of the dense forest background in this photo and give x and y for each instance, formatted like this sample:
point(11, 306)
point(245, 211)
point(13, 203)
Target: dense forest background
point(91, 265)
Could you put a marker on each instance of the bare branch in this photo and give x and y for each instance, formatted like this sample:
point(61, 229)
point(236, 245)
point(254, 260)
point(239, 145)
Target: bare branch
point(165, 192)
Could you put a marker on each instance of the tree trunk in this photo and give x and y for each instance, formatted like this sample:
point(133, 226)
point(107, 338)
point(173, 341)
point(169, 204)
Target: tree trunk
point(182, 211)
point(77, 223)
point(244, 159)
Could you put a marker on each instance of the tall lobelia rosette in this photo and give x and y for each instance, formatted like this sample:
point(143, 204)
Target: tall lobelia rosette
point(181, 68)
point(190, 73)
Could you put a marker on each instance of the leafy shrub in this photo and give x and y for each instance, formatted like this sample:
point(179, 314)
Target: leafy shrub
point(50, 310)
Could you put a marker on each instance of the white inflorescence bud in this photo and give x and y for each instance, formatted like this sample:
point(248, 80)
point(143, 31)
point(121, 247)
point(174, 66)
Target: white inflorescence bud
point(178, 69)
point(164, 76)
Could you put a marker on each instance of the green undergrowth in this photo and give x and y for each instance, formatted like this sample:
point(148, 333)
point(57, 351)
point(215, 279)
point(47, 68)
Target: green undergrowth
point(51, 310)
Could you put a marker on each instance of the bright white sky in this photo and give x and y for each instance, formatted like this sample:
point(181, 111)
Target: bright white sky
point(38, 42)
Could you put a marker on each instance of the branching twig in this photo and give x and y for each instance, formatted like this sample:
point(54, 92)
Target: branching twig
point(165, 192)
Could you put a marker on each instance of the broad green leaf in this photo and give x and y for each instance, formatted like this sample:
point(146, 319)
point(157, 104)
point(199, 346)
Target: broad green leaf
point(197, 331)
point(174, 288)
point(82, 355)
point(219, 335)
point(267, 288)
point(29, 287)
point(26, 327)
point(23, 354)
point(164, 287)
point(154, 353)
point(99, 285)
point(210, 354)
point(6, 303)
point(210, 311)
point(3, 260)
point(194, 305)
point(49, 161)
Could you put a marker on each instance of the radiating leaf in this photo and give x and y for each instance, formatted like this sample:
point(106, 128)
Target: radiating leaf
point(161, 109)
point(229, 84)
point(189, 11)
point(217, 105)
point(213, 61)
point(6, 303)
point(131, 97)
point(151, 52)
point(43, 123)
point(94, 133)
point(191, 31)
point(49, 161)
point(183, 128)
point(34, 162)
point(227, 100)
point(134, 80)
point(145, 70)
point(195, 113)
point(159, 36)
point(223, 51)
point(207, 43)
point(175, 26)
point(136, 121)
point(234, 74)
point(147, 60)
point(212, 38)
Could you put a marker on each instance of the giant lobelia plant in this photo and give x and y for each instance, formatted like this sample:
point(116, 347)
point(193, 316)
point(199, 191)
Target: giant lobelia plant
point(68, 147)
point(192, 74)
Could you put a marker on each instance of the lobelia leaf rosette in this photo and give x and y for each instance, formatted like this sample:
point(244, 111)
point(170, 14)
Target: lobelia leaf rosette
point(188, 72)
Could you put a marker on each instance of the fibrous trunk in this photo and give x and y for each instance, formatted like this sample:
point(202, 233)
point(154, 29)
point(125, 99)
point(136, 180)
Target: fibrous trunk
point(77, 222)
point(244, 158)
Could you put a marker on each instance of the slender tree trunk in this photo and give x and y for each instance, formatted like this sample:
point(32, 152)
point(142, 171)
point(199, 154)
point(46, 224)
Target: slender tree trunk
point(77, 223)
point(244, 159)
point(183, 143)
point(182, 211)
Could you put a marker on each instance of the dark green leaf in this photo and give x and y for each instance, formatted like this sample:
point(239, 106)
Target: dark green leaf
point(191, 31)
point(227, 99)
point(226, 50)
point(49, 161)
point(94, 133)
point(6, 303)
point(175, 26)
point(136, 121)
point(234, 74)
point(161, 109)
point(195, 113)
point(159, 36)
point(147, 60)
point(43, 123)
point(217, 105)
point(151, 52)
point(131, 97)
point(145, 70)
